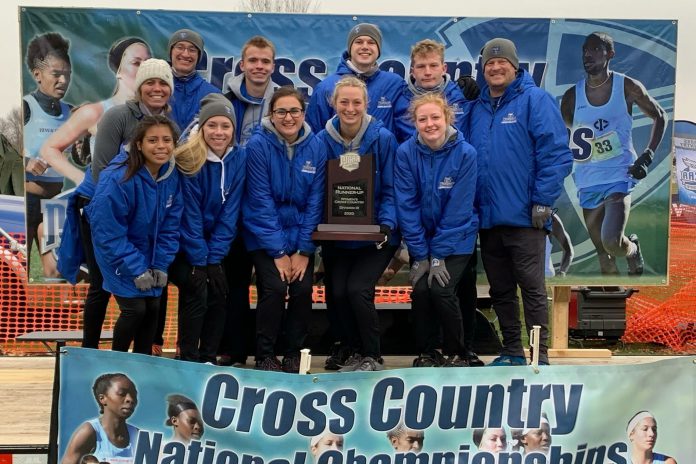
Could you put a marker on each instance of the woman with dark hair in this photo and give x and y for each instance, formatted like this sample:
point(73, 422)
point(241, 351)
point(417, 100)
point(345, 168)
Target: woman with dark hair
point(124, 59)
point(530, 440)
point(109, 438)
point(285, 193)
point(135, 215)
point(184, 418)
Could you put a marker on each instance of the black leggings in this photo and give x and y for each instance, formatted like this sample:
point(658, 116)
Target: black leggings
point(136, 323)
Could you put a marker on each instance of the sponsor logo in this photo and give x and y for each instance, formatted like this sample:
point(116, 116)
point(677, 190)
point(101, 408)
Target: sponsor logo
point(601, 124)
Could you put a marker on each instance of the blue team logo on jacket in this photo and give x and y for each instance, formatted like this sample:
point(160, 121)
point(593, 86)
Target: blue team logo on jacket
point(446, 183)
point(509, 118)
point(308, 168)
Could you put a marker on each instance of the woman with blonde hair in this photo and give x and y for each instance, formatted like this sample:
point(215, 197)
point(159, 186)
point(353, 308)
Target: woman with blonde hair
point(212, 187)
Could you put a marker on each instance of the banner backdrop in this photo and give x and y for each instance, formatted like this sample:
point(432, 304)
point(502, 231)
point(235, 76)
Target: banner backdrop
point(309, 48)
point(685, 154)
point(247, 416)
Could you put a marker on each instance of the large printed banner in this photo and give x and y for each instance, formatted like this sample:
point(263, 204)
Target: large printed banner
point(685, 154)
point(188, 413)
point(309, 48)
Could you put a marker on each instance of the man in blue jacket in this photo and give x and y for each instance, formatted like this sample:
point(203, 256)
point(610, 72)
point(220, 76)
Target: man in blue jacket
point(185, 52)
point(385, 90)
point(523, 157)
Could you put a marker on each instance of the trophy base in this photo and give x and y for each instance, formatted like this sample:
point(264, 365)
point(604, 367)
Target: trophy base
point(333, 232)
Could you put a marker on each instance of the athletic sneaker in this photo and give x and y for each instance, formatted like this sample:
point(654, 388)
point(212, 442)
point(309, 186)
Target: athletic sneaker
point(291, 364)
point(507, 360)
point(635, 262)
point(338, 355)
point(370, 364)
point(269, 363)
point(473, 359)
point(456, 361)
point(352, 363)
point(432, 359)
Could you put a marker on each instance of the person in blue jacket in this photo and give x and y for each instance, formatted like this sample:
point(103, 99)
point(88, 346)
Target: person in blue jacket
point(523, 157)
point(153, 83)
point(282, 207)
point(353, 268)
point(435, 183)
point(212, 190)
point(386, 90)
point(135, 216)
point(185, 53)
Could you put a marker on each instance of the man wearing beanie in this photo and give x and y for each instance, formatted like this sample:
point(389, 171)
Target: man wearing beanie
point(185, 52)
point(523, 157)
point(386, 91)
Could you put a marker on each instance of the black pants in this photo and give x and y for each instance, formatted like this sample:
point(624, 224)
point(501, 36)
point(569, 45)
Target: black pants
point(162, 317)
point(468, 299)
point(512, 257)
point(136, 323)
point(273, 320)
point(97, 298)
point(240, 323)
point(437, 308)
point(201, 315)
point(351, 276)
point(606, 225)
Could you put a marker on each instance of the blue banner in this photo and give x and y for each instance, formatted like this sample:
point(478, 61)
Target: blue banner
point(309, 48)
point(585, 414)
point(685, 161)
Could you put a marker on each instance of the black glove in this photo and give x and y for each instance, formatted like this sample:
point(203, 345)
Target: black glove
point(639, 169)
point(540, 214)
point(217, 279)
point(160, 278)
point(386, 230)
point(198, 278)
point(469, 87)
point(144, 281)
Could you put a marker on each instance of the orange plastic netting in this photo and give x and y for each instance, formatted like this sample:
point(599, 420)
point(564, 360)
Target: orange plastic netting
point(665, 315)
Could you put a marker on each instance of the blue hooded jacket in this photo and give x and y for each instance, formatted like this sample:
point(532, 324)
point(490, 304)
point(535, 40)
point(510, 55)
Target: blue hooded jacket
point(212, 201)
point(186, 98)
point(387, 97)
point(453, 96)
point(379, 142)
point(284, 197)
point(135, 226)
point(523, 153)
point(435, 192)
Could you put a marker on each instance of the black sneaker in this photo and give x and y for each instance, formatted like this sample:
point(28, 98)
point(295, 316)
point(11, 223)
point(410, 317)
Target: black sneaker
point(635, 262)
point(370, 364)
point(291, 364)
point(269, 363)
point(338, 355)
point(352, 363)
point(432, 359)
point(456, 361)
point(473, 359)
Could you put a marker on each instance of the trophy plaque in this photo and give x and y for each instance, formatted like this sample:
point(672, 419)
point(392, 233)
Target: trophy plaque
point(349, 201)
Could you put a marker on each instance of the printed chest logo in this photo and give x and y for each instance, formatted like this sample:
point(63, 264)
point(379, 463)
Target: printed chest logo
point(308, 168)
point(509, 118)
point(601, 124)
point(384, 102)
point(457, 108)
point(446, 183)
point(170, 200)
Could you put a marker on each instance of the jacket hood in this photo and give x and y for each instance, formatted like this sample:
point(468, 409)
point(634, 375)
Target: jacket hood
point(304, 133)
point(235, 86)
point(415, 90)
point(452, 138)
point(332, 129)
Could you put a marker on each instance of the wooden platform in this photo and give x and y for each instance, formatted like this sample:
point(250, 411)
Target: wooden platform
point(26, 382)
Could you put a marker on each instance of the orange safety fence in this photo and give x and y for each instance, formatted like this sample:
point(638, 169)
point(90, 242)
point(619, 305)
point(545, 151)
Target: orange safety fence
point(665, 315)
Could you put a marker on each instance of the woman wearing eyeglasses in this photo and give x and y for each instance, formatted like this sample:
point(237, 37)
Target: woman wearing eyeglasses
point(283, 205)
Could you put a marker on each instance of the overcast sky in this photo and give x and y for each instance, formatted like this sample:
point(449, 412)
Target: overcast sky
point(682, 10)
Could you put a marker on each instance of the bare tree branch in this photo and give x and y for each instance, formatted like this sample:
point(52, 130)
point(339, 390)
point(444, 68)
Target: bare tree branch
point(11, 127)
point(280, 6)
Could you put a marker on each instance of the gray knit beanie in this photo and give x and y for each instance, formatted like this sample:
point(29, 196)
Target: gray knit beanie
point(187, 35)
point(216, 104)
point(370, 30)
point(500, 48)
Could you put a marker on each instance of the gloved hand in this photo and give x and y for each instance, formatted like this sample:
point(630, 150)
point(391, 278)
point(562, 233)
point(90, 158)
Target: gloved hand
point(639, 169)
point(160, 278)
point(469, 87)
point(386, 230)
point(198, 278)
point(144, 281)
point(418, 270)
point(217, 279)
point(540, 214)
point(438, 271)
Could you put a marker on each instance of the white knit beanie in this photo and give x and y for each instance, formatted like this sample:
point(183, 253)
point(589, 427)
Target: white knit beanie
point(154, 68)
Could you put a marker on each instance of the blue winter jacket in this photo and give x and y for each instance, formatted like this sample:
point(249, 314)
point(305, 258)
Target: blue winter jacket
point(380, 143)
point(135, 226)
point(386, 94)
point(212, 201)
point(284, 198)
point(453, 95)
point(523, 153)
point(186, 98)
point(435, 192)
